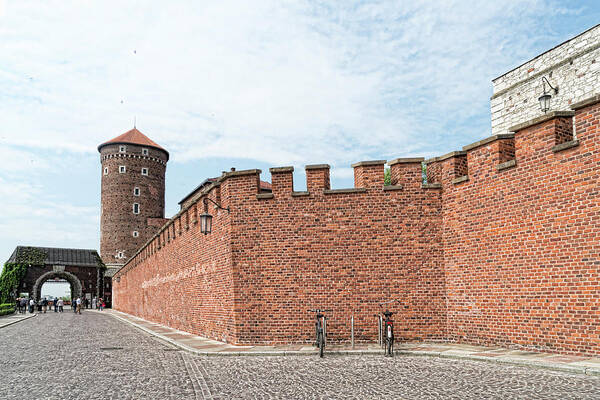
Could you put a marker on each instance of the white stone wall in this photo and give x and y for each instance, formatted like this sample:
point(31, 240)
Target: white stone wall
point(573, 66)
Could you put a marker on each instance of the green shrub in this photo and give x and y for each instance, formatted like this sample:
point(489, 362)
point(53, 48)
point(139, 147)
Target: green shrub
point(7, 306)
point(7, 311)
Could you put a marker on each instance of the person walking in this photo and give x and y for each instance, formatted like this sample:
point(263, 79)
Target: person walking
point(44, 305)
point(100, 304)
point(74, 305)
point(31, 306)
point(79, 305)
point(23, 305)
point(60, 305)
point(55, 304)
point(94, 301)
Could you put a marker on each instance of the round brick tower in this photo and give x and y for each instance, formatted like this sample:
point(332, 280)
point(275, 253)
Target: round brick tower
point(133, 194)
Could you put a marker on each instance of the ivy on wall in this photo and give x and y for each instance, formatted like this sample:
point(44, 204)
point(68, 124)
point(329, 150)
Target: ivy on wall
point(14, 272)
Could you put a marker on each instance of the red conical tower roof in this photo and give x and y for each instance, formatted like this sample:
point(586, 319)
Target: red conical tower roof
point(134, 137)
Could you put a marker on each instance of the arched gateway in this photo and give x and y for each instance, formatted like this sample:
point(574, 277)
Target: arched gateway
point(82, 268)
point(72, 279)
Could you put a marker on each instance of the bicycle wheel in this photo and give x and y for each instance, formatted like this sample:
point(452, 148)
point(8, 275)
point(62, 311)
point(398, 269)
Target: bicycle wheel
point(321, 344)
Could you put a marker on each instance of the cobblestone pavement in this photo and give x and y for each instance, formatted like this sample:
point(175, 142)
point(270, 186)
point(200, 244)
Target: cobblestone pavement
point(67, 356)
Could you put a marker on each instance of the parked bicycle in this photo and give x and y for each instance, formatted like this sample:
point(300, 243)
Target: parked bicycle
point(386, 329)
point(320, 329)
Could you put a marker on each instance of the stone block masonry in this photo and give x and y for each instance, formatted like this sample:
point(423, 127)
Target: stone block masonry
point(573, 67)
point(500, 247)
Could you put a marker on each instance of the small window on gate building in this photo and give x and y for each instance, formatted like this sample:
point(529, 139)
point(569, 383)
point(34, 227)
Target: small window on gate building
point(122, 149)
point(136, 234)
point(144, 171)
point(144, 152)
point(120, 254)
point(105, 170)
point(136, 191)
point(136, 208)
point(122, 169)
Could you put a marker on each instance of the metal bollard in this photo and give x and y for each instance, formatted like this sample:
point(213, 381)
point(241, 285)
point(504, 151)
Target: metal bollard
point(352, 330)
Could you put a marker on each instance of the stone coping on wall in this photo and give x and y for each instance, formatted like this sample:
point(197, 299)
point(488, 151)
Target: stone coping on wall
point(412, 160)
point(566, 145)
point(300, 193)
point(349, 190)
point(393, 187)
point(506, 165)
point(239, 173)
point(460, 179)
point(368, 163)
point(587, 102)
point(540, 119)
point(431, 186)
point(276, 170)
point(457, 153)
point(317, 166)
point(488, 140)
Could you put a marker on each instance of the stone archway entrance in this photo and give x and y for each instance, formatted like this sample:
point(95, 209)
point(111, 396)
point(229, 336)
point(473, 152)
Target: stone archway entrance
point(72, 279)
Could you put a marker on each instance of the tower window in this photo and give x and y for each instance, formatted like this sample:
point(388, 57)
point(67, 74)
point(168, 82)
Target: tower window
point(144, 152)
point(136, 234)
point(120, 254)
point(122, 149)
point(136, 208)
point(105, 170)
point(122, 169)
point(136, 191)
point(144, 171)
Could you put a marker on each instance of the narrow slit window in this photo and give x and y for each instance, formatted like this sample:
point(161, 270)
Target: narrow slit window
point(122, 169)
point(122, 149)
point(136, 208)
point(105, 170)
point(145, 171)
point(136, 191)
point(144, 152)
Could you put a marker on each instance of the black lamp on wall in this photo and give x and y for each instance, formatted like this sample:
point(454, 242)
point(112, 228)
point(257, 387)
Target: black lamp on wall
point(545, 98)
point(206, 218)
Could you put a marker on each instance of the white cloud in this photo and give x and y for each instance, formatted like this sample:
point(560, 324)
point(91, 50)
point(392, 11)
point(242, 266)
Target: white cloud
point(279, 82)
point(32, 215)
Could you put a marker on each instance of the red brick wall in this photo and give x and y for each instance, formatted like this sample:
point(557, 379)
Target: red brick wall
point(185, 278)
point(345, 251)
point(521, 249)
point(287, 253)
point(510, 256)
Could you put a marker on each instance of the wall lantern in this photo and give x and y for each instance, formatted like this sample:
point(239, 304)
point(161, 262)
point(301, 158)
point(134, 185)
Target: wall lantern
point(545, 98)
point(206, 218)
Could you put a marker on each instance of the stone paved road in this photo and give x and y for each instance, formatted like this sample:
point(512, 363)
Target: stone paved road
point(61, 356)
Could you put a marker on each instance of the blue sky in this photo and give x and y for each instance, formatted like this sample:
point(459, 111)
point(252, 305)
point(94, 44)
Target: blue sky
point(244, 84)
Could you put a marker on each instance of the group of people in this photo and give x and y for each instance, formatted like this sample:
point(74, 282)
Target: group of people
point(80, 303)
point(57, 303)
point(24, 304)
